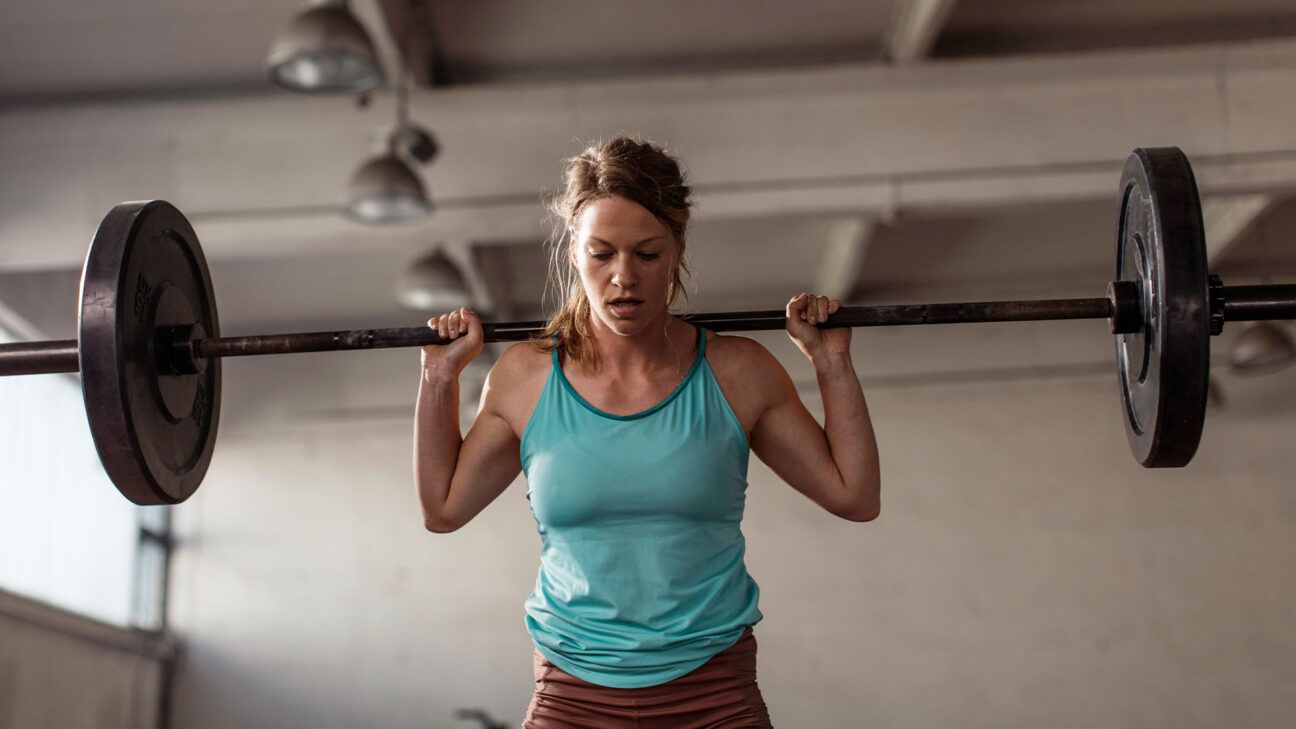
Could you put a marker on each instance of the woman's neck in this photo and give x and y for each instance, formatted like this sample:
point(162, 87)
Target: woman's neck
point(661, 345)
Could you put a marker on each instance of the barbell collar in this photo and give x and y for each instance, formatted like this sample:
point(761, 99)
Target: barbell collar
point(1124, 298)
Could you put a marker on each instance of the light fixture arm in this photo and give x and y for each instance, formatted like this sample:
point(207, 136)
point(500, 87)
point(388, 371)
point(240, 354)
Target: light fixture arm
point(409, 139)
point(402, 98)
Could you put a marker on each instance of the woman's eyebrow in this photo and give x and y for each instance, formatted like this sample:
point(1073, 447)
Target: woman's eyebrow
point(645, 240)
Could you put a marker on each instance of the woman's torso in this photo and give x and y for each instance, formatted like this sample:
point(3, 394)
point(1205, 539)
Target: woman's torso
point(638, 490)
point(522, 393)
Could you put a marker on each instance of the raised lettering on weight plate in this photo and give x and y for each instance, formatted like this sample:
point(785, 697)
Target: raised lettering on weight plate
point(199, 413)
point(142, 290)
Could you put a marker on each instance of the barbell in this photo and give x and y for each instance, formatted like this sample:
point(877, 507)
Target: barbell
point(149, 345)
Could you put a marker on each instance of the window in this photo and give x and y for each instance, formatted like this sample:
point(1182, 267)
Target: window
point(67, 537)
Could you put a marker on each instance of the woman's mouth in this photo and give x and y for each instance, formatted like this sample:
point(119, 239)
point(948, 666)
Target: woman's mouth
point(624, 307)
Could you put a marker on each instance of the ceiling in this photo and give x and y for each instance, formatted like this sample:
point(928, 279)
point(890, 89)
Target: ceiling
point(58, 50)
point(67, 49)
point(62, 53)
point(1029, 26)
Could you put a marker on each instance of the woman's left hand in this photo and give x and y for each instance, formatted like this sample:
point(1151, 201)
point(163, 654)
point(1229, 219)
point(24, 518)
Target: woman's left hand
point(803, 313)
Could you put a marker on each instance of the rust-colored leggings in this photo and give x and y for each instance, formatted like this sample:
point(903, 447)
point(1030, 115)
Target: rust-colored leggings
point(721, 694)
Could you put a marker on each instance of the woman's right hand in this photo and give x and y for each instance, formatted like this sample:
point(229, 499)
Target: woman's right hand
point(464, 328)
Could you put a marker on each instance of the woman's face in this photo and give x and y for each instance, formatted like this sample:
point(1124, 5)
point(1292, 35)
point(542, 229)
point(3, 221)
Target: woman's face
point(625, 257)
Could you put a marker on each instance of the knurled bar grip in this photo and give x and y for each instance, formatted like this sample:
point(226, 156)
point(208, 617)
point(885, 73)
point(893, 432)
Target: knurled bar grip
point(861, 316)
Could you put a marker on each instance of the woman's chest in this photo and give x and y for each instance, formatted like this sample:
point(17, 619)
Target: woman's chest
point(625, 396)
point(582, 472)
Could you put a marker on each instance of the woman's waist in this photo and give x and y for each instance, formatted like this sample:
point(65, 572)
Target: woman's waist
point(590, 561)
point(735, 664)
point(637, 614)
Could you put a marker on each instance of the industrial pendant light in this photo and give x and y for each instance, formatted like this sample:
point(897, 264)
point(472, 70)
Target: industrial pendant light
point(385, 189)
point(325, 50)
point(432, 283)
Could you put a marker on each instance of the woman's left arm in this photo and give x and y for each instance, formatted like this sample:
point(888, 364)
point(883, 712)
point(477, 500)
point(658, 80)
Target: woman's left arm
point(836, 466)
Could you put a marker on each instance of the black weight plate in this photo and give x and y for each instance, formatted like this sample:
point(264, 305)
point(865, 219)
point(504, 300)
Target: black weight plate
point(1164, 369)
point(144, 275)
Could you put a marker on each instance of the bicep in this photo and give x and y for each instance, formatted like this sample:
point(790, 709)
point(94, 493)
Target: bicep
point(788, 439)
point(488, 460)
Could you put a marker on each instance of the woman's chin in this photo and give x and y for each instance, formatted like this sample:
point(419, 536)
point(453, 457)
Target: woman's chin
point(626, 325)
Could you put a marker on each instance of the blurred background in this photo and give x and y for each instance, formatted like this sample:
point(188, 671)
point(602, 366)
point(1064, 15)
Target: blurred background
point(364, 164)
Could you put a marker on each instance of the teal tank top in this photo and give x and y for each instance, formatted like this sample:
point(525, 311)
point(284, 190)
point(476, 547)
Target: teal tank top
point(641, 576)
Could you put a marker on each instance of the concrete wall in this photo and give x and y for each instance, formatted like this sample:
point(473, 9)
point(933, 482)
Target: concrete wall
point(1025, 571)
point(61, 671)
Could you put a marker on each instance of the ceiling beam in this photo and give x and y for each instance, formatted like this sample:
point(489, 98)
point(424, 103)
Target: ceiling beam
point(412, 27)
point(494, 264)
point(15, 325)
point(842, 258)
point(480, 294)
point(1228, 219)
point(915, 25)
point(289, 232)
point(264, 177)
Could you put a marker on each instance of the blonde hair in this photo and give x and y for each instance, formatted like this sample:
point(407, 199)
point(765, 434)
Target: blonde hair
point(641, 172)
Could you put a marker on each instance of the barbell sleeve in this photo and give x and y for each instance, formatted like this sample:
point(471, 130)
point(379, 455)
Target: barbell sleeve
point(39, 358)
point(1259, 303)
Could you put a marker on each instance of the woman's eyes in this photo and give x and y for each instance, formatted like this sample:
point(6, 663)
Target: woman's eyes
point(606, 256)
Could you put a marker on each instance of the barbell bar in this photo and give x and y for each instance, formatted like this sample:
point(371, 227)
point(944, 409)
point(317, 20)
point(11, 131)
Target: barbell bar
point(149, 347)
point(1241, 303)
point(36, 358)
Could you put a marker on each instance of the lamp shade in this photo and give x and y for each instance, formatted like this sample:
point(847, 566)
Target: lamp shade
point(432, 284)
point(324, 50)
point(385, 190)
point(1261, 348)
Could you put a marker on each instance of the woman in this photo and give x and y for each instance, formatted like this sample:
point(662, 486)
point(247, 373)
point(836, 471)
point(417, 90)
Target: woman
point(633, 429)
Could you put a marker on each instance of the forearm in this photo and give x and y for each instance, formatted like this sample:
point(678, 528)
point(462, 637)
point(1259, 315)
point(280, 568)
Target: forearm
point(849, 431)
point(437, 440)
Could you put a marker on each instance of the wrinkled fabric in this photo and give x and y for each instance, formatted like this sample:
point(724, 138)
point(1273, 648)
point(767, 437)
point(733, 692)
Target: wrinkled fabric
point(721, 694)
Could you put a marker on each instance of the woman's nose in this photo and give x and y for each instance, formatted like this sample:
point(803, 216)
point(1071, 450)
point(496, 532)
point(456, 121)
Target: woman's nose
point(623, 273)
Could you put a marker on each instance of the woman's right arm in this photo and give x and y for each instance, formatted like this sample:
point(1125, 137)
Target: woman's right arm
point(457, 477)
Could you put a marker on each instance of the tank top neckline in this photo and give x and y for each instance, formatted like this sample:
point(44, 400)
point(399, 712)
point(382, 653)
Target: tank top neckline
point(697, 363)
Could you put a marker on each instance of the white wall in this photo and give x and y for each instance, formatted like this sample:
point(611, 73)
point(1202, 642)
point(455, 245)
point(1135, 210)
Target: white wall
point(59, 670)
point(1024, 572)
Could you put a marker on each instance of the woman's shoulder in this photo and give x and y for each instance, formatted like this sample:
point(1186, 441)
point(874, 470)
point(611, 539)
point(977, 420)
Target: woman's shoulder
point(520, 362)
point(748, 375)
point(729, 350)
point(515, 381)
point(741, 361)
